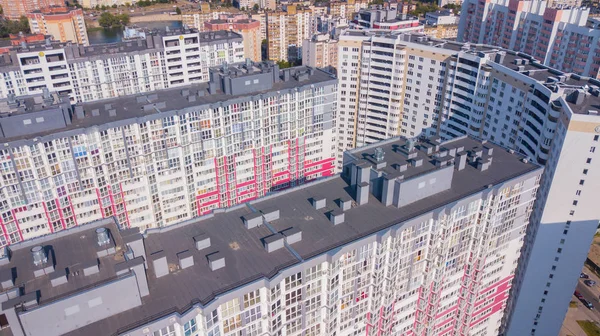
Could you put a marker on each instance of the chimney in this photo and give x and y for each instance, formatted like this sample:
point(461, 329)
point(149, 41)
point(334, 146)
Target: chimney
point(364, 172)
point(344, 203)
point(460, 161)
point(270, 214)
point(252, 220)
point(159, 260)
point(6, 279)
point(286, 75)
point(387, 194)
point(362, 193)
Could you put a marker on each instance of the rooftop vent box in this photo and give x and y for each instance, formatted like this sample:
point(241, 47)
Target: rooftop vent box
point(90, 268)
point(104, 243)
point(270, 214)
point(59, 277)
point(6, 279)
point(202, 241)
point(292, 235)
point(345, 203)
point(416, 162)
point(252, 220)
point(336, 216)
point(186, 259)
point(215, 261)
point(42, 262)
point(273, 242)
point(318, 202)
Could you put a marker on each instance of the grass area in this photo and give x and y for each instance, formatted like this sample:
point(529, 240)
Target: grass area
point(590, 328)
point(573, 304)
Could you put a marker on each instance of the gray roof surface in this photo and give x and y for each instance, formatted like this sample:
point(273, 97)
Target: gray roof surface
point(246, 258)
point(128, 107)
point(72, 252)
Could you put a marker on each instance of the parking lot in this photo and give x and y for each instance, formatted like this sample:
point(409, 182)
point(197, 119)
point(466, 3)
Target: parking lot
point(580, 312)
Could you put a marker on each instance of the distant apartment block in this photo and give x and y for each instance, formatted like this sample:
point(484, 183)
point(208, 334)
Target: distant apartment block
point(158, 61)
point(248, 28)
point(441, 17)
point(565, 38)
point(62, 23)
point(14, 9)
point(285, 32)
point(346, 9)
point(414, 238)
point(442, 32)
point(156, 159)
point(320, 52)
point(261, 17)
point(196, 20)
point(377, 18)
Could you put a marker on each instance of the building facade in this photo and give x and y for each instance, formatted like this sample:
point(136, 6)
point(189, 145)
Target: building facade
point(62, 23)
point(450, 89)
point(158, 159)
point(320, 52)
point(158, 61)
point(248, 28)
point(285, 32)
point(316, 260)
point(14, 9)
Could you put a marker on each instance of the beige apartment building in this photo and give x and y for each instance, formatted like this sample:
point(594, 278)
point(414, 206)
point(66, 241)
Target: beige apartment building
point(248, 28)
point(14, 9)
point(285, 32)
point(64, 24)
point(320, 51)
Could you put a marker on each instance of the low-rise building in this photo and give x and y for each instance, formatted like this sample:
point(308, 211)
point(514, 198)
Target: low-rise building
point(378, 18)
point(15, 9)
point(248, 28)
point(441, 17)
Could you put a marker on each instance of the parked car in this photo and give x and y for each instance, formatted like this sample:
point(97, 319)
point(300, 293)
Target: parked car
point(584, 276)
point(587, 304)
point(578, 295)
point(590, 282)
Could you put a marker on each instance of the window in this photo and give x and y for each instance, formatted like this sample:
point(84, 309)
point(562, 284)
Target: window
point(596, 137)
point(578, 193)
point(585, 171)
point(166, 331)
point(39, 119)
point(574, 202)
point(27, 122)
point(592, 149)
point(190, 328)
point(559, 250)
point(565, 232)
point(589, 160)
point(251, 298)
point(572, 212)
point(581, 182)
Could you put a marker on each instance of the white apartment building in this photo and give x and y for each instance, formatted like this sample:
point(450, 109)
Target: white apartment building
point(502, 96)
point(113, 70)
point(339, 256)
point(157, 159)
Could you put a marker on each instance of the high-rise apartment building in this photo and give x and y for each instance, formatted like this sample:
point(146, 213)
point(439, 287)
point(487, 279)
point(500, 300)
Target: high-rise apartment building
point(416, 86)
point(196, 20)
point(285, 32)
point(14, 9)
point(565, 38)
point(156, 159)
point(261, 17)
point(248, 28)
point(62, 23)
point(164, 60)
point(413, 239)
point(321, 51)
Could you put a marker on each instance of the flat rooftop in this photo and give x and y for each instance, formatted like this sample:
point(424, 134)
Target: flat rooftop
point(135, 106)
point(243, 249)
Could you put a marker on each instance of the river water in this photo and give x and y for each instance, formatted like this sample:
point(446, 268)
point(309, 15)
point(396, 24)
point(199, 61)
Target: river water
point(112, 35)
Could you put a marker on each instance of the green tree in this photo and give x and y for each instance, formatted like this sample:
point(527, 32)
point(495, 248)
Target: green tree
point(114, 6)
point(1, 10)
point(284, 64)
point(255, 7)
point(14, 27)
point(178, 11)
